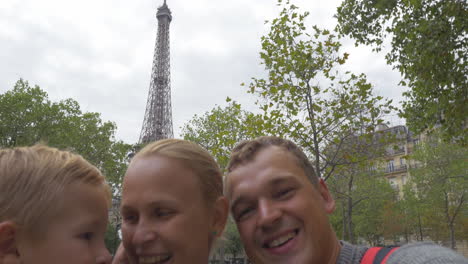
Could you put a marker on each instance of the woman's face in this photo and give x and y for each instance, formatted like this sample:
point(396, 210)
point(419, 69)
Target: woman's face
point(165, 219)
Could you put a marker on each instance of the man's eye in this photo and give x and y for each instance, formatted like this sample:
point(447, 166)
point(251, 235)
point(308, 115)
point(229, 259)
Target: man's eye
point(285, 193)
point(243, 213)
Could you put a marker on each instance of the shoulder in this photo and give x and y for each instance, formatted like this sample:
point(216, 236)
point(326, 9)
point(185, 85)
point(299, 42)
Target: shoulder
point(427, 253)
point(350, 254)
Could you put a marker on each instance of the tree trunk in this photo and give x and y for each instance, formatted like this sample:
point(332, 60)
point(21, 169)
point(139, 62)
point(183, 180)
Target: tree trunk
point(449, 221)
point(453, 243)
point(221, 253)
point(343, 209)
point(350, 221)
point(420, 228)
point(406, 235)
point(350, 211)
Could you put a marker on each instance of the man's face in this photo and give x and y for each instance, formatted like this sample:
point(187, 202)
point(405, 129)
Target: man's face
point(280, 214)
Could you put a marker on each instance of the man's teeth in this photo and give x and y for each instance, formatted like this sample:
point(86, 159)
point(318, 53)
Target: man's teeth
point(281, 240)
point(153, 260)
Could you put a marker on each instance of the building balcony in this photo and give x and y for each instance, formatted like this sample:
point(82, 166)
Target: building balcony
point(394, 169)
point(394, 152)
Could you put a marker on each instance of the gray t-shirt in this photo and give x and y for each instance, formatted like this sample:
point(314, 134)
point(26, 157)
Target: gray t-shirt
point(350, 254)
point(427, 253)
point(416, 253)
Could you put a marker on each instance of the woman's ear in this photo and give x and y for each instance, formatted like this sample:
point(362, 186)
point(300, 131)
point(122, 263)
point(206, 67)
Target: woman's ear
point(8, 243)
point(221, 212)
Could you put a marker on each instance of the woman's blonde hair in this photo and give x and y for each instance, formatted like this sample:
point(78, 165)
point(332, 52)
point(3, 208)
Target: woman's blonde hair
point(193, 157)
point(33, 181)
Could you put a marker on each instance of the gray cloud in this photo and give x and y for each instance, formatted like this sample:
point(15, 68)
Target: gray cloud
point(100, 53)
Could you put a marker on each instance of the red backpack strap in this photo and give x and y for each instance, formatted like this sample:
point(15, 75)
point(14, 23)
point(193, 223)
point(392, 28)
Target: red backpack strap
point(377, 255)
point(383, 254)
point(370, 254)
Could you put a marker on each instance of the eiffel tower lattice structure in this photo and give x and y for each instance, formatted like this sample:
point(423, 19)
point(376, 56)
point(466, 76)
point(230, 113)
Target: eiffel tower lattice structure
point(157, 123)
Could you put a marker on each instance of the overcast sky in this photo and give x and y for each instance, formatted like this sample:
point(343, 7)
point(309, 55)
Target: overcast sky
point(100, 53)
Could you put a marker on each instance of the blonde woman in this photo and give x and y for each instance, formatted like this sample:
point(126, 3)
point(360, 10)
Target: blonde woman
point(53, 208)
point(173, 207)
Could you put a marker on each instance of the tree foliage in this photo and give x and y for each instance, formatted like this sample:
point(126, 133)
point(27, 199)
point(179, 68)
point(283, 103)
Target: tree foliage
point(112, 239)
point(428, 47)
point(376, 195)
point(415, 211)
point(27, 116)
point(234, 244)
point(305, 97)
point(440, 180)
point(221, 128)
point(361, 193)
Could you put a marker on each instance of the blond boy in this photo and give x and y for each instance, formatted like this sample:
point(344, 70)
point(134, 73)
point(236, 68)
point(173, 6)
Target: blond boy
point(53, 208)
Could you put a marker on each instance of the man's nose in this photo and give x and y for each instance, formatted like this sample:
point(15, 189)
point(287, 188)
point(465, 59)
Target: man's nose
point(269, 214)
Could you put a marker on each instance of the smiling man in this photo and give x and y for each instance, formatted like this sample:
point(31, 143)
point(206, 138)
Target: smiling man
point(281, 210)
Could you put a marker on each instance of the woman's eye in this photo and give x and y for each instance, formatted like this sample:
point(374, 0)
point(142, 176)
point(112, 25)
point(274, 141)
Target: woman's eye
point(129, 218)
point(163, 212)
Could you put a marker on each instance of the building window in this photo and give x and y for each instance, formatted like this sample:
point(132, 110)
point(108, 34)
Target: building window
point(394, 184)
point(390, 166)
point(372, 169)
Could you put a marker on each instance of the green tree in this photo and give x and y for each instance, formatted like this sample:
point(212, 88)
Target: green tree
point(359, 184)
point(234, 244)
point(306, 98)
point(361, 193)
point(415, 212)
point(27, 116)
point(428, 47)
point(393, 222)
point(112, 239)
point(441, 181)
point(376, 195)
point(221, 128)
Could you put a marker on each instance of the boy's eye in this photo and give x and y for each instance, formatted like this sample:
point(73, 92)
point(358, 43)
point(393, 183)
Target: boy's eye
point(87, 236)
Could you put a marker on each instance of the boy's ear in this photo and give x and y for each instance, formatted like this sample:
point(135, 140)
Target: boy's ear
point(8, 246)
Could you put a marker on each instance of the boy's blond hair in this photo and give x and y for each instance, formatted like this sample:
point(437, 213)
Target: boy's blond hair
point(33, 181)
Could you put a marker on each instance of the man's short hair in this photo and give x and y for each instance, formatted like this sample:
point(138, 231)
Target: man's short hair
point(246, 152)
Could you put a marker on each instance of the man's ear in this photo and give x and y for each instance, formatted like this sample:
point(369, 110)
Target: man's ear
point(329, 202)
point(221, 212)
point(8, 243)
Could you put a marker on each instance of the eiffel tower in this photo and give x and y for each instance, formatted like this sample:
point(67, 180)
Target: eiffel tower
point(157, 123)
